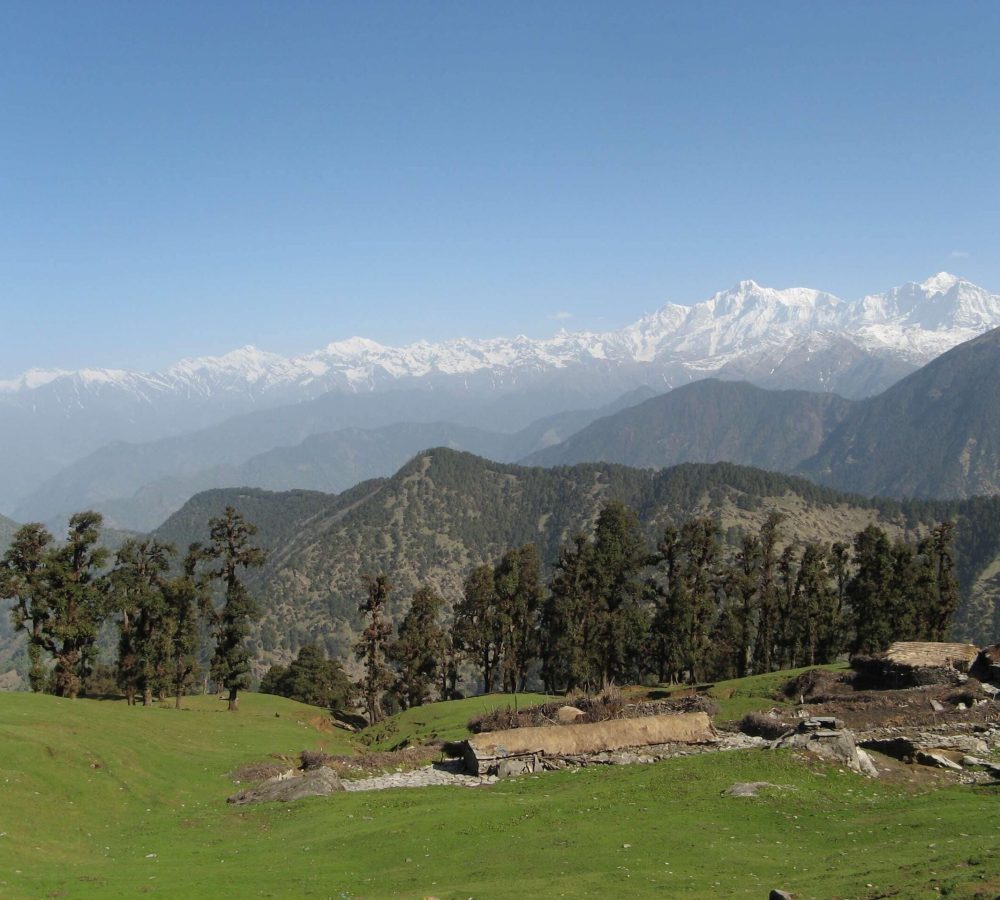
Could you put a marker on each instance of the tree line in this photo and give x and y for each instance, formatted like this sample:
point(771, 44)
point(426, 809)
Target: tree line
point(615, 609)
point(64, 594)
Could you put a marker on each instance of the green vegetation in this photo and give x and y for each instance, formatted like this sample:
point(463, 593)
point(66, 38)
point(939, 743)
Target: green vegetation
point(446, 512)
point(101, 799)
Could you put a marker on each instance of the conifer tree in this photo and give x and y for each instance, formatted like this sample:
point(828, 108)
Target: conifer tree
point(139, 590)
point(619, 556)
point(231, 549)
point(869, 591)
point(570, 621)
point(477, 631)
point(78, 599)
point(419, 649)
point(371, 647)
point(518, 589)
point(767, 594)
point(24, 579)
point(186, 596)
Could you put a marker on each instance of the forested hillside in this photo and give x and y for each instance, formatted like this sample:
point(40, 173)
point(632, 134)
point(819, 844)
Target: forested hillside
point(445, 512)
point(708, 421)
point(934, 434)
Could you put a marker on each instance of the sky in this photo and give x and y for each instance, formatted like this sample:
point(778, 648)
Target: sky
point(182, 178)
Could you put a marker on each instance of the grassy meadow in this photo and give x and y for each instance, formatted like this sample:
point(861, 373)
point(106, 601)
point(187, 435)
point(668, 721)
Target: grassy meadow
point(100, 799)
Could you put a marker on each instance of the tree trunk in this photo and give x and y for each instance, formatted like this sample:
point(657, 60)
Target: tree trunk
point(234, 701)
point(177, 701)
point(147, 697)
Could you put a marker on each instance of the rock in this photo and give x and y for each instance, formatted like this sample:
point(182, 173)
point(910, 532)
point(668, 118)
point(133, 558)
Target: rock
point(314, 783)
point(936, 705)
point(990, 689)
point(821, 723)
point(936, 759)
point(961, 707)
point(750, 788)
point(977, 763)
point(964, 742)
point(837, 746)
point(867, 764)
point(779, 895)
point(567, 715)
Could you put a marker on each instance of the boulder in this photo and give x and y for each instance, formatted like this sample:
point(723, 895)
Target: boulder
point(835, 745)
point(937, 759)
point(284, 788)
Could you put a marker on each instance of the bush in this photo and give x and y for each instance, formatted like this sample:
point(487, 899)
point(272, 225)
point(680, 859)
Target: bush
point(758, 724)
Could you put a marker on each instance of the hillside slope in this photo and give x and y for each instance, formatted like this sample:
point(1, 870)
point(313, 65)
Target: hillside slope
point(707, 421)
point(934, 434)
point(445, 512)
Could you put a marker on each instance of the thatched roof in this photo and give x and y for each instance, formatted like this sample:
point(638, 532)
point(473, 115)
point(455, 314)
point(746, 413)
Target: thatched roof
point(927, 654)
point(595, 737)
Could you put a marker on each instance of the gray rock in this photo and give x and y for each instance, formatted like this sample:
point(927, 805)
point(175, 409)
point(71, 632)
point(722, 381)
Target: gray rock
point(315, 783)
point(750, 788)
point(936, 705)
point(938, 760)
point(836, 746)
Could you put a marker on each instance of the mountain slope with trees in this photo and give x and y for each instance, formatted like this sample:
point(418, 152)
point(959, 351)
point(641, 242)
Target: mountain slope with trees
point(707, 421)
point(934, 434)
point(446, 512)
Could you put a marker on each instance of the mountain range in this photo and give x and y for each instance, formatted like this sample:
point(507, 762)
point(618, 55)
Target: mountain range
point(217, 413)
point(934, 434)
point(446, 511)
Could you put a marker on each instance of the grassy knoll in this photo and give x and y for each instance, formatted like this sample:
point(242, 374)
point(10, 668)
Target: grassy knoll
point(90, 790)
point(440, 721)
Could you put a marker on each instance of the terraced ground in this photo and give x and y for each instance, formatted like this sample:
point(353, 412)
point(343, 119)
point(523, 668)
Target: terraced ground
point(100, 799)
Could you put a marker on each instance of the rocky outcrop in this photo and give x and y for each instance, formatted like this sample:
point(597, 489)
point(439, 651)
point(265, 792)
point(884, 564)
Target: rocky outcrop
point(828, 739)
point(291, 786)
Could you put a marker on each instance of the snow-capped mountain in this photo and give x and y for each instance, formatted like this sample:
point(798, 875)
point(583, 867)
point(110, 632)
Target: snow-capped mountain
point(798, 337)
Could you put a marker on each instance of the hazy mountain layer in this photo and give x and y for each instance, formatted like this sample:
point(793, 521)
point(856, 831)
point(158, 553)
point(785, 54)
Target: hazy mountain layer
point(796, 338)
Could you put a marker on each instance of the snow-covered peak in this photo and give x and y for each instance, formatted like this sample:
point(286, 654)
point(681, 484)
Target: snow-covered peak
point(33, 378)
point(940, 283)
point(913, 322)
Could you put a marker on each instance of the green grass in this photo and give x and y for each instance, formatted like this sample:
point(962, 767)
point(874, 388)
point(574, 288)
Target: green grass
point(70, 829)
point(740, 696)
point(440, 721)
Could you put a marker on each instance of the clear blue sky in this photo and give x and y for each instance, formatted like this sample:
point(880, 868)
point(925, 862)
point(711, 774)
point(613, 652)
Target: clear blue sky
point(181, 178)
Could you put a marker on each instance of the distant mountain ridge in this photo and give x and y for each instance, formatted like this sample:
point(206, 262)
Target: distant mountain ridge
point(935, 434)
point(137, 486)
point(796, 338)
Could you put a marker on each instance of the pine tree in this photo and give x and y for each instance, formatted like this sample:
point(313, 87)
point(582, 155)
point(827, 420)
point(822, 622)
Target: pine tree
point(231, 549)
point(869, 591)
point(477, 632)
point(767, 594)
point(371, 647)
point(139, 588)
point(186, 597)
point(618, 558)
point(310, 678)
point(569, 629)
point(24, 579)
point(419, 649)
point(518, 589)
